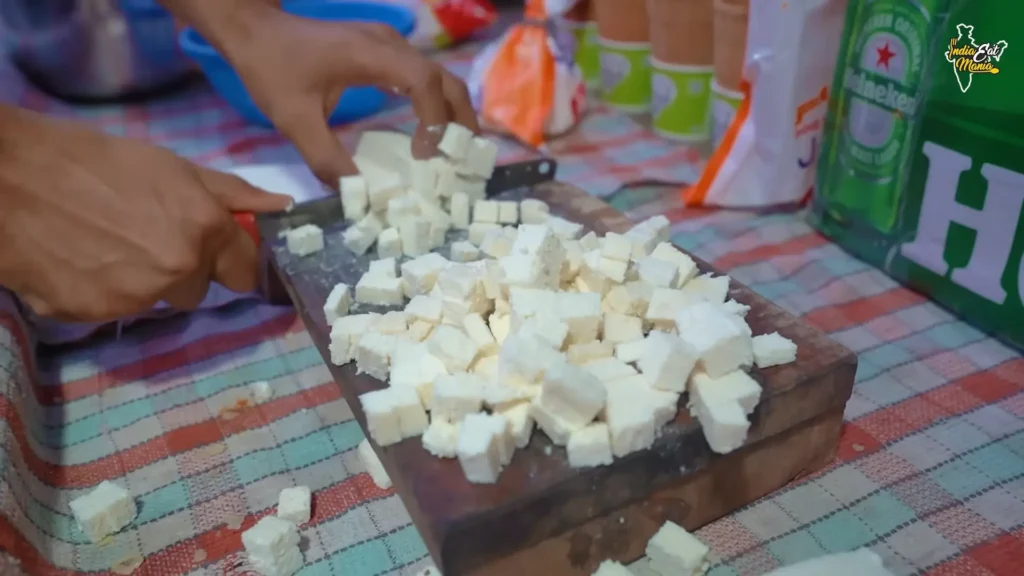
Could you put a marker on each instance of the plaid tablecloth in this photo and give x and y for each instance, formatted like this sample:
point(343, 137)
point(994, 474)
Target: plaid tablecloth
point(929, 472)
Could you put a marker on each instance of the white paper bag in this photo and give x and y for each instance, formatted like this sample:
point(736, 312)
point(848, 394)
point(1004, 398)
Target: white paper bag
point(769, 152)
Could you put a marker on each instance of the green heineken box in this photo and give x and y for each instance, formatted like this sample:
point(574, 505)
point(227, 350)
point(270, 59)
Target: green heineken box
point(922, 165)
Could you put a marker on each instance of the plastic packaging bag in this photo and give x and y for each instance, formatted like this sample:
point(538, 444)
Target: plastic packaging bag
point(769, 152)
point(526, 83)
point(441, 23)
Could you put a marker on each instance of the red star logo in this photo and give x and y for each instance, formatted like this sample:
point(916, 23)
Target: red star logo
point(884, 55)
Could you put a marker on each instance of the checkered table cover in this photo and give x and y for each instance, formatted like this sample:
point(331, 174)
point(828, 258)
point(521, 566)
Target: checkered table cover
point(930, 472)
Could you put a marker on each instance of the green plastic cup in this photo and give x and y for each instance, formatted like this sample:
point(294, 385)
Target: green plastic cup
point(588, 52)
point(626, 75)
point(724, 104)
point(681, 101)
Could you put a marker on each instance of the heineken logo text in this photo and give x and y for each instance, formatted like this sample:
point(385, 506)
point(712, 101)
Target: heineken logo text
point(880, 91)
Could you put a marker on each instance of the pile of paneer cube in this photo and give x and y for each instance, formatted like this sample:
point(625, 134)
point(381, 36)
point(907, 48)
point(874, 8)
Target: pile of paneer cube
point(528, 320)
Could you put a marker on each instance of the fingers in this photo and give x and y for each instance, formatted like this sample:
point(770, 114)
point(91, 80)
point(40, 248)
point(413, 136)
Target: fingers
point(457, 96)
point(237, 195)
point(39, 306)
point(189, 293)
point(228, 254)
point(306, 127)
point(236, 264)
point(458, 109)
point(395, 65)
point(424, 85)
point(437, 95)
point(425, 140)
point(86, 303)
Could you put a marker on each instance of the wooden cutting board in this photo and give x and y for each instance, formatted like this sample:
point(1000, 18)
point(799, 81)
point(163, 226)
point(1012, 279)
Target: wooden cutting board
point(544, 516)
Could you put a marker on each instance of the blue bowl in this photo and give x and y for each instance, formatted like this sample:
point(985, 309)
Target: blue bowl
point(355, 103)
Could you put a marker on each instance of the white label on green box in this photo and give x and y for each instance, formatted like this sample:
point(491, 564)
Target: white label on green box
point(724, 104)
point(626, 75)
point(681, 100)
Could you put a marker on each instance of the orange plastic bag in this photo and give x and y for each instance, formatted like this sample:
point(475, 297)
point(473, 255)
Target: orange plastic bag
point(526, 84)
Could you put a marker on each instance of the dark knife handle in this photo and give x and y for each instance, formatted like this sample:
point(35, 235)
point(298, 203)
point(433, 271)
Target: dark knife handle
point(521, 175)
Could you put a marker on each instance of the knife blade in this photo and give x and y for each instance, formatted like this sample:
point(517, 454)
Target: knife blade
point(521, 175)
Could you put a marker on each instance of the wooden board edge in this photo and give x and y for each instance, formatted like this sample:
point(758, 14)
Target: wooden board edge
point(828, 390)
point(437, 532)
point(676, 456)
point(622, 534)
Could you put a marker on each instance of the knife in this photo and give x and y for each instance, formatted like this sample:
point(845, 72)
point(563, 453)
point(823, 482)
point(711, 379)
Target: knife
point(327, 211)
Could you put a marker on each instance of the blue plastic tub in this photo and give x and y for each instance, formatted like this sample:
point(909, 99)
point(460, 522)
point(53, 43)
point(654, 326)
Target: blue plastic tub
point(355, 103)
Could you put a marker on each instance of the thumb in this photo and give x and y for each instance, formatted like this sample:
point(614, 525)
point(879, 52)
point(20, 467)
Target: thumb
point(237, 195)
point(319, 147)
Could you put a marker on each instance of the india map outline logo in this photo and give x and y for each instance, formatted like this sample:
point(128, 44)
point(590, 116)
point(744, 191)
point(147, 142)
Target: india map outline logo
point(969, 58)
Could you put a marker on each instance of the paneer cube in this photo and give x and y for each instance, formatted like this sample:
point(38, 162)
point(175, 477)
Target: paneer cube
point(338, 303)
point(667, 362)
point(354, 199)
point(453, 347)
point(587, 352)
point(532, 211)
point(572, 393)
point(420, 274)
point(618, 328)
point(345, 334)
point(424, 308)
point(686, 267)
point(720, 339)
point(582, 312)
point(381, 417)
point(590, 446)
point(105, 510)
point(373, 354)
point(456, 396)
point(635, 413)
point(735, 386)
point(305, 240)
point(660, 273)
point(772, 350)
point(441, 438)
point(414, 367)
point(616, 247)
point(520, 422)
point(485, 211)
point(714, 289)
point(675, 551)
point(480, 448)
point(463, 251)
point(456, 141)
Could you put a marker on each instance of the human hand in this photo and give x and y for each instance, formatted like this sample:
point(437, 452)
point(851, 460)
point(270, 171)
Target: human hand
point(95, 228)
point(296, 70)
